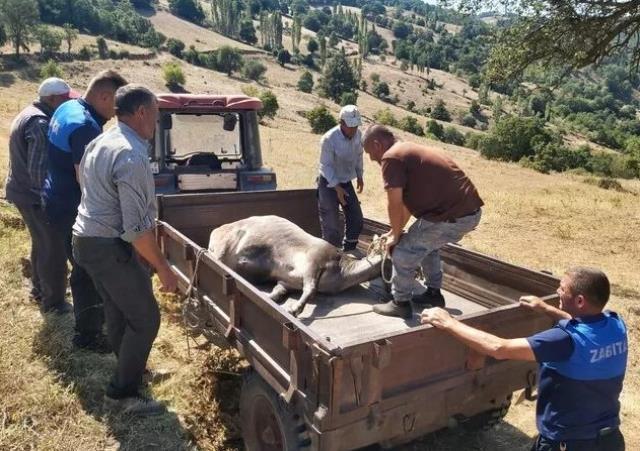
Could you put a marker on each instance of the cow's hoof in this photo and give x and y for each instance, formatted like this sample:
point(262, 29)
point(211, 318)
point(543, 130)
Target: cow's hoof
point(295, 309)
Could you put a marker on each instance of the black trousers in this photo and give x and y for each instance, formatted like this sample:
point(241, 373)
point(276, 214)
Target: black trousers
point(611, 441)
point(328, 209)
point(36, 222)
point(131, 309)
point(87, 304)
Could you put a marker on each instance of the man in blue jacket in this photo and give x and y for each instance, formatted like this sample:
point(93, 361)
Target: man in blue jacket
point(582, 361)
point(74, 125)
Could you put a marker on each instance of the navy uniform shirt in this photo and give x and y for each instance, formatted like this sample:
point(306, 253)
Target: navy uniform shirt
point(582, 366)
point(73, 126)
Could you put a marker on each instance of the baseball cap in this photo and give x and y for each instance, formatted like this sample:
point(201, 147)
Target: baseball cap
point(350, 115)
point(54, 86)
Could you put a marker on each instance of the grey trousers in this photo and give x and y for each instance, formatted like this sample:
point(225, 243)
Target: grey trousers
point(131, 310)
point(421, 246)
point(36, 222)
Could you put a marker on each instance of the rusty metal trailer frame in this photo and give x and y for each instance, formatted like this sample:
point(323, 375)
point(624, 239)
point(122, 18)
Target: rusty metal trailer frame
point(388, 389)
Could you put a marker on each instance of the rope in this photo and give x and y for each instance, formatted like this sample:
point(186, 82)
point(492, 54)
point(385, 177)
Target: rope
point(187, 296)
point(378, 246)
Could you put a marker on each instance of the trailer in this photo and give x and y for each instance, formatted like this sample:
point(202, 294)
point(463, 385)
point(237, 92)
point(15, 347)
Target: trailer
point(339, 376)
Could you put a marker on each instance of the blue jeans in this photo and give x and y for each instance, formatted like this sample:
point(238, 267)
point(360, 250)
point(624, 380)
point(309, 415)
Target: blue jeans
point(420, 246)
point(328, 208)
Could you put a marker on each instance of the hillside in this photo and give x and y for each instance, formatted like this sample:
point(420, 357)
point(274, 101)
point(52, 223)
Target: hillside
point(51, 394)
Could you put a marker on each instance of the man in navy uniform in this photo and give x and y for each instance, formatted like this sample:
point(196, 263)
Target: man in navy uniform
point(73, 126)
point(582, 361)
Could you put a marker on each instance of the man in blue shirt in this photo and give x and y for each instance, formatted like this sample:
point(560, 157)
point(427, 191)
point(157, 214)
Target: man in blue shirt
point(73, 126)
point(582, 363)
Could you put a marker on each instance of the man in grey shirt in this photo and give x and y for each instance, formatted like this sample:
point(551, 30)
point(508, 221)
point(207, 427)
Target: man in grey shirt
point(27, 171)
point(114, 228)
point(341, 162)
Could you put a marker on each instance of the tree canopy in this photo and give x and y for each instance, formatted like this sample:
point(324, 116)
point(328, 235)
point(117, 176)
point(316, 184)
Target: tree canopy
point(567, 33)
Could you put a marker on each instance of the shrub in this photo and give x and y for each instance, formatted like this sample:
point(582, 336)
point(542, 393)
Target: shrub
point(411, 105)
point(51, 69)
point(375, 77)
point(173, 75)
point(247, 31)
point(381, 90)
point(269, 105)
point(175, 47)
point(385, 117)
point(440, 111)
point(253, 70)
point(85, 53)
point(320, 119)
point(472, 140)
point(512, 138)
point(468, 120)
point(312, 45)
point(305, 83)
point(435, 129)
point(348, 98)
point(283, 57)
point(250, 91)
point(410, 124)
point(103, 49)
point(605, 183)
point(228, 59)
point(451, 135)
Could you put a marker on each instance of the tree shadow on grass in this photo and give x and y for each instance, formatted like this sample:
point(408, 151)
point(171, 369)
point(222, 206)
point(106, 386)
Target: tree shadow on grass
point(88, 374)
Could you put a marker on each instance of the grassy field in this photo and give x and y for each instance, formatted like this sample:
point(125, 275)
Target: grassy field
point(50, 395)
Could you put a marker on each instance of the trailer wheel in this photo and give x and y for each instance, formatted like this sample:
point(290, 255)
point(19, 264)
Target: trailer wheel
point(489, 418)
point(267, 422)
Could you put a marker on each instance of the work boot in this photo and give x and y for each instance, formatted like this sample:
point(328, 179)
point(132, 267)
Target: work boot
point(135, 405)
point(430, 298)
point(94, 343)
point(393, 308)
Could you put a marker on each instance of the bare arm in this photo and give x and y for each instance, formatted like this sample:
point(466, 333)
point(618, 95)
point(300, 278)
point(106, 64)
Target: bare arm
point(478, 340)
point(538, 305)
point(398, 213)
point(145, 244)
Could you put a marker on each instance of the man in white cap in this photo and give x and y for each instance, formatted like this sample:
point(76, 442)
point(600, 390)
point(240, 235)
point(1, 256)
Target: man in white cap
point(341, 162)
point(27, 170)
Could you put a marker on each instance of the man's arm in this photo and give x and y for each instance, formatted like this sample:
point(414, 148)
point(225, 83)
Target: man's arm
point(37, 148)
point(327, 163)
point(398, 213)
point(538, 305)
point(360, 168)
point(479, 341)
point(130, 175)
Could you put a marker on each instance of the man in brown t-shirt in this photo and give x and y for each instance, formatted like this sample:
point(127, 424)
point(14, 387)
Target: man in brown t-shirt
point(426, 184)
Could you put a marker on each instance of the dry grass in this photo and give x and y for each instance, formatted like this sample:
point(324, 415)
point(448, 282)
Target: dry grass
point(51, 394)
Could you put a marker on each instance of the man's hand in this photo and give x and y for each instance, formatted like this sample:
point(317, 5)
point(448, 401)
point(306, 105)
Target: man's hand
point(359, 185)
point(342, 195)
point(390, 242)
point(533, 303)
point(437, 317)
point(168, 279)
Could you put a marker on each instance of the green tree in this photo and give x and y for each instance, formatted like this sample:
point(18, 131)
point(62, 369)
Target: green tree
point(338, 77)
point(51, 69)
point(451, 135)
point(173, 75)
point(320, 119)
point(348, 98)
point(226, 16)
point(305, 83)
point(381, 90)
point(247, 31)
point(187, 9)
point(229, 59)
point(3, 34)
point(440, 112)
point(410, 124)
point(20, 18)
point(385, 117)
point(312, 45)
point(103, 49)
point(70, 35)
point(512, 138)
point(175, 47)
point(253, 70)
point(435, 129)
point(401, 30)
point(50, 40)
point(269, 105)
point(283, 56)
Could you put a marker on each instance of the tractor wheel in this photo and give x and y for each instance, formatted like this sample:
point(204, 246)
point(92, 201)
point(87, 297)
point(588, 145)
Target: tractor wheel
point(267, 422)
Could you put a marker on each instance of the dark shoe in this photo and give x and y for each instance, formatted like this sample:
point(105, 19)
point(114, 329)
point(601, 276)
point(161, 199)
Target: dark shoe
point(393, 308)
point(63, 308)
point(93, 343)
point(430, 298)
point(135, 405)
